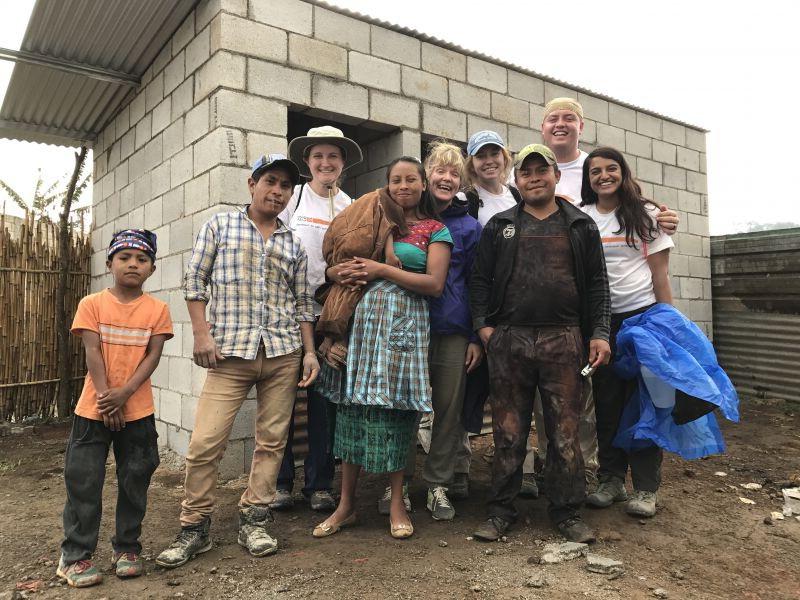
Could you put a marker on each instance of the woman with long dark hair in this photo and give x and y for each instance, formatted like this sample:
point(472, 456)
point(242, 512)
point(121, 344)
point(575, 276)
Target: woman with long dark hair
point(637, 261)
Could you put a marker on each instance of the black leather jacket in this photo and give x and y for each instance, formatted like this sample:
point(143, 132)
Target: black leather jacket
point(494, 264)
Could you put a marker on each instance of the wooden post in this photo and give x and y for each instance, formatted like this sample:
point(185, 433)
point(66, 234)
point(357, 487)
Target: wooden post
point(64, 236)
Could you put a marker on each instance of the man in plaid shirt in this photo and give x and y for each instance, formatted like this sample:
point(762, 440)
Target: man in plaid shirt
point(260, 332)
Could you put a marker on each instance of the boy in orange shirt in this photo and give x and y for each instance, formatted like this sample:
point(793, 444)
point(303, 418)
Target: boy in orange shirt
point(123, 332)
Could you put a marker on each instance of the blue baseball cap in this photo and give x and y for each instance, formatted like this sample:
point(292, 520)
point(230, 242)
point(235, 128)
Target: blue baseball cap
point(272, 161)
point(480, 139)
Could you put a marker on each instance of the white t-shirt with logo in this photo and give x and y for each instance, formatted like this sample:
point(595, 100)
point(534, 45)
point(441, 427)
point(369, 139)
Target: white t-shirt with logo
point(571, 178)
point(492, 203)
point(310, 219)
point(629, 278)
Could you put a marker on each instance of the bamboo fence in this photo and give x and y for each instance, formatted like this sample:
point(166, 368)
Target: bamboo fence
point(29, 268)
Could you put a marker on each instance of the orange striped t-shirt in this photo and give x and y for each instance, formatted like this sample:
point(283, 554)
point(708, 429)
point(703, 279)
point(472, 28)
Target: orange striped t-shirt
point(125, 330)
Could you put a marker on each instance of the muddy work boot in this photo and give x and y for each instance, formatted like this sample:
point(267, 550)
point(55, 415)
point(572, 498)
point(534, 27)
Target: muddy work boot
point(79, 574)
point(127, 564)
point(529, 488)
point(492, 529)
point(459, 487)
point(190, 541)
point(386, 501)
point(283, 500)
point(253, 535)
point(322, 501)
point(642, 504)
point(575, 530)
point(608, 492)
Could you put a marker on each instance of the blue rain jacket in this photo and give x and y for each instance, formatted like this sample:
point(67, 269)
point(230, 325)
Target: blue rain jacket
point(679, 354)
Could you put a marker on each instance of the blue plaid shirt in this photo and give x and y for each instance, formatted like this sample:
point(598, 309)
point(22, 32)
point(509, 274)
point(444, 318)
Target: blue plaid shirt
point(259, 290)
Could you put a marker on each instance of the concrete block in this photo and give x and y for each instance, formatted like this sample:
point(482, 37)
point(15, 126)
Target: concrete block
point(181, 236)
point(171, 273)
point(691, 288)
point(475, 124)
point(519, 137)
point(162, 58)
point(665, 195)
point(678, 263)
point(374, 72)
point(638, 145)
point(419, 84)
point(208, 9)
point(276, 81)
point(198, 50)
point(608, 135)
point(174, 345)
point(674, 177)
point(221, 146)
point(621, 116)
point(196, 194)
point(688, 159)
point(137, 107)
point(664, 152)
point(537, 116)
point(108, 135)
point(122, 122)
point(113, 156)
point(510, 110)
point(647, 170)
point(154, 92)
point(674, 133)
point(127, 144)
point(703, 166)
point(196, 123)
point(162, 115)
point(172, 138)
point(222, 70)
point(142, 194)
point(552, 90)
point(183, 98)
point(172, 208)
point(648, 125)
point(696, 140)
point(153, 153)
point(124, 198)
point(291, 15)
point(442, 61)
point(688, 244)
point(647, 189)
point(395, 46)
point(594, 108)
point(121, 178)
point(181, 167)
point(152, 214)
point(175, 73)
point(246, 111)
point(589, 135)
point(160, 377)
point(244, 36)
point(188, 344)
point(160, 179)
point(525, 87)
point(487, 75)
point(244, 424)
point(445, 123)
point(108, 185)
point(144, 130)
point(178, 440)
point(170, 402)
point(393, 110)
point(232, 463)
point(183, 35)
point(341, 30)
point(188, 411)
point(469, 98)
point(315, 55)
point(698, 224)
point(340, 97)
point(696, 182)
point(261, 143)
point(227, 185)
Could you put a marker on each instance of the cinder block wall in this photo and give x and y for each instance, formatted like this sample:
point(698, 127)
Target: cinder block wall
point(221, 93)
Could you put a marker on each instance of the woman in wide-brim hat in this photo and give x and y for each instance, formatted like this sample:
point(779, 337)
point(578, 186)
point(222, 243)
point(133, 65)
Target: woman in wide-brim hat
point(322, 156)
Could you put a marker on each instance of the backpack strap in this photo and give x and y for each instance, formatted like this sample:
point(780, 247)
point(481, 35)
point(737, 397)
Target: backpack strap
point(474, 203)
point(515, 192)
point(299, 195)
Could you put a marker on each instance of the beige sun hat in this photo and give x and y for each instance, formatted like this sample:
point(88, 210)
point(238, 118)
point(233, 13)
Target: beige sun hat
point(324, 135)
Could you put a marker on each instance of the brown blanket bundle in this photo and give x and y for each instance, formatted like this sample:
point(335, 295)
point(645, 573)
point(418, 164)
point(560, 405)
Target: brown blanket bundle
point(362, 230)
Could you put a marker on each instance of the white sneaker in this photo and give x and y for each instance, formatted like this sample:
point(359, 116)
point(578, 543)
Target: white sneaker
point(439, 504)
point(642, 504)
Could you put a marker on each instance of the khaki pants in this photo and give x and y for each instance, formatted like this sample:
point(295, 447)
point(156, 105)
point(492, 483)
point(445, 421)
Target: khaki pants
point(224, 392)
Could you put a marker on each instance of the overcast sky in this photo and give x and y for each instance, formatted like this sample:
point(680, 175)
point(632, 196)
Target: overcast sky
point(732, 68)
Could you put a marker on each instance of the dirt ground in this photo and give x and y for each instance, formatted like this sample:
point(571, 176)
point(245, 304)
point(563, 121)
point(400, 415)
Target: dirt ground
point(704, 542)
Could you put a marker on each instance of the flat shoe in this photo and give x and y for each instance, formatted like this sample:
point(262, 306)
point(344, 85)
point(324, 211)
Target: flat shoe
point(325, 529)
point(401, 531)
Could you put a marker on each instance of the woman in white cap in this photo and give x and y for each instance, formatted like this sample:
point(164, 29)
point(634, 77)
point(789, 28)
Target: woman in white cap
point(322, 156)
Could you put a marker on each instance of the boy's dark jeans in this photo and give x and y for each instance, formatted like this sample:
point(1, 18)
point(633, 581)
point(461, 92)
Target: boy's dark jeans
point(520, 360)
point(136, 455)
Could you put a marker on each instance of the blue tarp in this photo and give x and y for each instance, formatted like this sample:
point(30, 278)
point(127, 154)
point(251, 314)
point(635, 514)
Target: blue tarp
point(680, 354)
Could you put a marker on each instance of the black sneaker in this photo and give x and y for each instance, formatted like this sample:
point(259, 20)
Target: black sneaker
point(190, 541)
point(322, 501)
point(492, 529)
point(575, 530)
point(283, 500)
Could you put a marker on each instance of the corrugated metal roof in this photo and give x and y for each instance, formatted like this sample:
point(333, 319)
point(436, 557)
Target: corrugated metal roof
point(466, 51)
point(43, 104)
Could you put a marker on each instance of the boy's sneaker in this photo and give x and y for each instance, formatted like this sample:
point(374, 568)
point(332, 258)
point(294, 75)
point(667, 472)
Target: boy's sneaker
point(492, 530)
point(386, 501)
point(322, 501)
point(190, 541)
point(642, 504)
point(459, 487)
point(439, 504)
point(283, 500)
point(253, 534)
point(608, 492)
point(127, 564)
point(79, 574)
point(529, 488)
point(575, 530)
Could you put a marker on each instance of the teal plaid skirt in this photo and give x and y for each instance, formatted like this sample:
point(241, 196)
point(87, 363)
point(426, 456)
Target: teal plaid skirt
point(375, 438)
point(387, 353)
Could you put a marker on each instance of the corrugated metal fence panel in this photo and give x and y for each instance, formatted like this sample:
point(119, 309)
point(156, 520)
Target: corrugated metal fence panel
point(755, 282)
